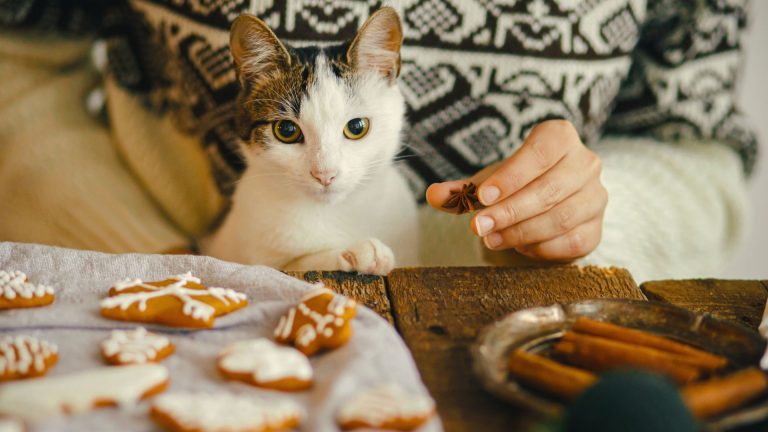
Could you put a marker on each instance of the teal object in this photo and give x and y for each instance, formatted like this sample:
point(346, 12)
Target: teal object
point(629, 401)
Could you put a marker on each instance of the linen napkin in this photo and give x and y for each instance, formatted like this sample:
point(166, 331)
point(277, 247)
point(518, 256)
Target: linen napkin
point(374, 355)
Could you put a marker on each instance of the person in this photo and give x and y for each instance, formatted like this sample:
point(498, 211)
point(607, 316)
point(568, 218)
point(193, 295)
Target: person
point(601, 132)
point(546, 201)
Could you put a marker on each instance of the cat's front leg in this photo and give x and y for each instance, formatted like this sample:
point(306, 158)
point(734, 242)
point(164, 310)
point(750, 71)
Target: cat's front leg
point(369, 256)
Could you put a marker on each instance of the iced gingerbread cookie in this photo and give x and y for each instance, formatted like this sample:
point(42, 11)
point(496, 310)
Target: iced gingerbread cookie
point(17, 292)
point(82, 391)
point(25, 357)
point(320, 321)
point(386, 407)
point(263, 363)
point(135, 346)
point(179, 301)
point(223, 412)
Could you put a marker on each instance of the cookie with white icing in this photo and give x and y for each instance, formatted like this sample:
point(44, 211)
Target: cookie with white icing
point(135, 346)
point(386, 407)
point(16, 291)
point(179, 301)
point(321, 320)
point(263, 363)
point(25, 357)
point(81, 391)
point(219, 412)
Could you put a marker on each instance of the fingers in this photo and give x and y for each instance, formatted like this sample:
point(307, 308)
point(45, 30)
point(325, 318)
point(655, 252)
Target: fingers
point(581, 207)
point(546, 200)
point(438, 193)
point(570, 246)
point(566, 178)
point(544, 147)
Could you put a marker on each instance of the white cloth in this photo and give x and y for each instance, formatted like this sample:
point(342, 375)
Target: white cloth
point(375, 354)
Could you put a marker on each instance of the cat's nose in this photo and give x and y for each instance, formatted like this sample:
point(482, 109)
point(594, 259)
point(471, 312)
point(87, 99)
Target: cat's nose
point(324, 177)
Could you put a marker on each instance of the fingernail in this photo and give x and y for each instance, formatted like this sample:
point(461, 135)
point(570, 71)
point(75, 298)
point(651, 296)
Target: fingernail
point(484, 225)
point(493, 240)
point(489, 194)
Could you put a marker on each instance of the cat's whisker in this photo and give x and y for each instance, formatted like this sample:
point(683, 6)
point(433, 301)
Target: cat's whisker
point(264, 100)
point(417, 152)
point(403, 157)
point(382, 163)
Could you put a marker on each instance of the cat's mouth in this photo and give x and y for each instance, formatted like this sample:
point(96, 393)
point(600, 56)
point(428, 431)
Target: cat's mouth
point(327, 194)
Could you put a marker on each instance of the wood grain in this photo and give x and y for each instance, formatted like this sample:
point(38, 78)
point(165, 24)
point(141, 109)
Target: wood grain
point(739, 300)
point(368, 290)
point(439, 312)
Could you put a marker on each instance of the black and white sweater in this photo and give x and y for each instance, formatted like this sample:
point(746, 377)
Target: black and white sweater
point(477, 74)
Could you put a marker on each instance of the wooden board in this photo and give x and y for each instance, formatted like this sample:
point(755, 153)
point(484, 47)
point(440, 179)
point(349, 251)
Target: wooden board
point(739, 300)
point(439, 312)
point(365, 289)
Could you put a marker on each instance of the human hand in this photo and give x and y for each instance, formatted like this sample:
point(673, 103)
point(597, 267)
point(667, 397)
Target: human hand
point(546, 200)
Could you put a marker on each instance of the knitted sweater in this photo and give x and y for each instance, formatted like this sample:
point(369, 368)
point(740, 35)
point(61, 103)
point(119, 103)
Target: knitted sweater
point(476, 79)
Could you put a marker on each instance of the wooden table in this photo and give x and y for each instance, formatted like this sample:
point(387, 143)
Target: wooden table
point(439, 312)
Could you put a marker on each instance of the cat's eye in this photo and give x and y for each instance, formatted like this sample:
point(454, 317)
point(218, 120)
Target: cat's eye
point(287, 131)
point(356, 128)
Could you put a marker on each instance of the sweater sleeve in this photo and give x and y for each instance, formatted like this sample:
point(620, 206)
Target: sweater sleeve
point(683, 76)
point(664, 218)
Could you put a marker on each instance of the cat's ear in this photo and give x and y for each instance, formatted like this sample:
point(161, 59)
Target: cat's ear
point(377, 44)
point(255, 47)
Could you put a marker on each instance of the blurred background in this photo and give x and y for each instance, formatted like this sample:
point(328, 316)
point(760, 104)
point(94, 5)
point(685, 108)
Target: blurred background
point(752, 259)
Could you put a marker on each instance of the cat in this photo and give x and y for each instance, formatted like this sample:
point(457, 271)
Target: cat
point(320, 128)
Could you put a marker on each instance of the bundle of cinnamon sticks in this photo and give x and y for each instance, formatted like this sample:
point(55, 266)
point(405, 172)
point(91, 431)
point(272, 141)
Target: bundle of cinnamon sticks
point(594, 346)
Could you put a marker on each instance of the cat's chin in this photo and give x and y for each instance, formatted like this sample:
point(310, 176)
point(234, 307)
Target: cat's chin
point(328, 196)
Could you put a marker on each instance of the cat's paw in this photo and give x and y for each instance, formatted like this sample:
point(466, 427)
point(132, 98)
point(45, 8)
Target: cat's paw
point(369, 256)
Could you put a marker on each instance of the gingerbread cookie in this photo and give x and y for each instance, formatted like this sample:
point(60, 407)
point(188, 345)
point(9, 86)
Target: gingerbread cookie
point(82, 391)
point(179, 301)
point(219, 412)
point(17, 292)
point(320, 321)
point(25, 357)
point(386, 407)
point(135, 346)
point(263, 363)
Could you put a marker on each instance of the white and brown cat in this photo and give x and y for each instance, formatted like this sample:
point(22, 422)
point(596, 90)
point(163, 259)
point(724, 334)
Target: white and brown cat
point(320, 128)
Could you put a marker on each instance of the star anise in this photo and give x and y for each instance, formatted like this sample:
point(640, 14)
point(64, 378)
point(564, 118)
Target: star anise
point(464, 200)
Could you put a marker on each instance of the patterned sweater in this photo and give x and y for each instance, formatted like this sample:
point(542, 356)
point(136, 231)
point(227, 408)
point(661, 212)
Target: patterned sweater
point(477, 75)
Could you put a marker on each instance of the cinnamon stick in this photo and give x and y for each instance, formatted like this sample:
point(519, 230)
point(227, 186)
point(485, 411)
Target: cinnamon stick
point(549, 376)
point(596, 353)
point(691, 355)
point(718, 395)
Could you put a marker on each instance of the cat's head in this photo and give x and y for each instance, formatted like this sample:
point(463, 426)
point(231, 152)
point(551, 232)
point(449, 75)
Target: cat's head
point(320, 119)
